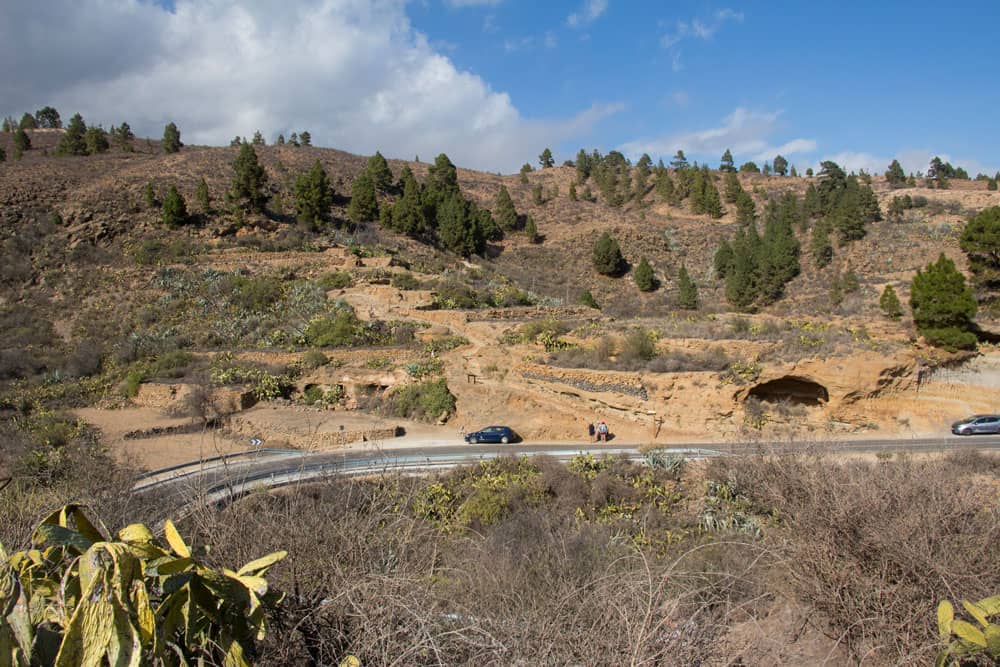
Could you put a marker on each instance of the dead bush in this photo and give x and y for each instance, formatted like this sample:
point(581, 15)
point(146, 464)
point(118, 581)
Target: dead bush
point(874, 547)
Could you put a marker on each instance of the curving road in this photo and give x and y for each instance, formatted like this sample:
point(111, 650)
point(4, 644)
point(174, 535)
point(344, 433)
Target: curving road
point(223, 478)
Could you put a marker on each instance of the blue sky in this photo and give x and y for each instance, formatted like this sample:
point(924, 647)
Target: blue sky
point(859, 79)
point(492, 82)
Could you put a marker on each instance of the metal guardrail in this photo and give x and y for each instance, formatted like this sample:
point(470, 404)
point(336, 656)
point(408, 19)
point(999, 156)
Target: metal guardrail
point(214, 459)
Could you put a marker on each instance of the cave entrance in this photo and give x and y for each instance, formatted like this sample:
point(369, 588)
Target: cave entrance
point(791, 389)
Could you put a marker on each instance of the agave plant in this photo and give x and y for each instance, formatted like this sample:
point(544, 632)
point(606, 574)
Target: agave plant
point(78, 598)
point(963, 639)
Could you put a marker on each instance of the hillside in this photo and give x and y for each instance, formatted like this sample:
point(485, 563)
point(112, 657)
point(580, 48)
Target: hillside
point(125, 345)
point(101, 298)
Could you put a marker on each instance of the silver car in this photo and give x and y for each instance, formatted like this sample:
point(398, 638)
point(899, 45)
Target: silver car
point(977, 424)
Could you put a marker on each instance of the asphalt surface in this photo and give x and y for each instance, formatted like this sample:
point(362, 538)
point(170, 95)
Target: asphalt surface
point(224, 478)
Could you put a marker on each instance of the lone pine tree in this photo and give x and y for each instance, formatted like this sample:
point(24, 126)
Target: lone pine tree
point(607, 255)
point(171, 139)
point(249, 179)
point(645, 280)
point(943, 307)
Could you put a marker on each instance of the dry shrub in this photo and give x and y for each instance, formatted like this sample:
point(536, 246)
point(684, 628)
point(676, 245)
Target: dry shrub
point(875, 546)
point(536, 586)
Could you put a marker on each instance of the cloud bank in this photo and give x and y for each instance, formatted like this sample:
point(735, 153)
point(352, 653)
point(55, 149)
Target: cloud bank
point(746, 133)
point(354, 73)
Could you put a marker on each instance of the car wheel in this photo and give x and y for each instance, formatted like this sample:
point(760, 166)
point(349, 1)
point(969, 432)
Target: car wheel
point(504, 440)
point(472, 441)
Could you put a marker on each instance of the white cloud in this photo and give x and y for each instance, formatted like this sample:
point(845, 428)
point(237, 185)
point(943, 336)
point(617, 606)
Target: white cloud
point(472, 3)
point(680, 98)
point(913, 160)
point(550, 41)
point(591, 11)
point(353, 72)
point(675, 62)
point(744, 132)
point(699, 28)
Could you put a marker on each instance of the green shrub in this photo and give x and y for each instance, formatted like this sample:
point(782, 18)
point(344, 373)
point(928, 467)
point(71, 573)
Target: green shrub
point(336, 280)
point(172, 364)
point(132, 381)
point(255, 293)
point(313, 359)
point(340, 329)
point(587, 299)
point(404, 281)
point(425, 401)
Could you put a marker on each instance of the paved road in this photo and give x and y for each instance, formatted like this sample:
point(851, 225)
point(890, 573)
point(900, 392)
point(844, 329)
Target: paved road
point(220, 479)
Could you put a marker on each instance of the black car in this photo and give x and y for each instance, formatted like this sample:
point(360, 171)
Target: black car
point(502, 434)
point(977, 424)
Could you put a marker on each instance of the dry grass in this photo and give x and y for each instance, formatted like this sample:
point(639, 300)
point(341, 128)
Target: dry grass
point(873, 547)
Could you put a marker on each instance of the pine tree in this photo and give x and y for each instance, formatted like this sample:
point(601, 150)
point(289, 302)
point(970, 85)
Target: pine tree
point(96, 140)
point(746, 210)
point(305, 138)
point(171, 139)
point(680, 160)
point(442, 180)
point(779, 257)
point(820, 246)
point(313, 196)
point(73, 141)
point(531, 230)
point(408, 212)
point(664, 186)
point(726, 163)
point(457, 229)
point(28, 122)
point(201, 194)
point(794, 173)
point(687, 291)
point(504, 211)
point(48, 117)
point(364, 205)
point(645, 280)
point(943, 307)
point(8, 124)
point(723, 260)
point(813, 205)
point(642, 172)
point(545, 159)
point(293, 139)
point(981, 243)
point(258, 139)
point(22, 142)
point(536, 194)
point(281, 140)
point(381, 175)
point(749, 168)
point(174, 213)
point(889, 303)
point(583, 166)
point(607, 255)
point(150, 195)
point(249, 179)
point(742, 278)
point(573, 197)
point(780, 165)
point(710, 202)
point(895, 175)
point(732, 187)
point(122, 136)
